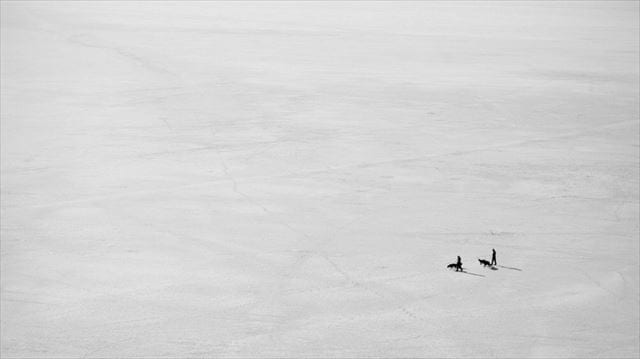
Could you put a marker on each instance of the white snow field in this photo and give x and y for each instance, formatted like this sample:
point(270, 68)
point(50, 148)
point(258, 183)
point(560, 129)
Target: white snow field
point(214, 179)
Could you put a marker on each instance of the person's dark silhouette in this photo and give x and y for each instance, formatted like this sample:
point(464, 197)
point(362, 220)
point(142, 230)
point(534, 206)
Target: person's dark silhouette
point(459, 264)
point(493, 258)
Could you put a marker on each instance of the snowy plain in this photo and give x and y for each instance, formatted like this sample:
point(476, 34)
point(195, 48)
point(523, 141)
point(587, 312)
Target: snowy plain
point(209, 179)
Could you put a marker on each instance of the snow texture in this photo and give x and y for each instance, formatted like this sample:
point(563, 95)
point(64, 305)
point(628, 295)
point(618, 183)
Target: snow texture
point(210, 179)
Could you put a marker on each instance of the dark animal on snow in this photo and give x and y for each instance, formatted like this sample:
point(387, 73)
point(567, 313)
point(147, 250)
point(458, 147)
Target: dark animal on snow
point(452, 266)
point(484, 262)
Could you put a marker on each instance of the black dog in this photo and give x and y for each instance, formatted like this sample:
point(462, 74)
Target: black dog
point(484, 262)
point(453, 265)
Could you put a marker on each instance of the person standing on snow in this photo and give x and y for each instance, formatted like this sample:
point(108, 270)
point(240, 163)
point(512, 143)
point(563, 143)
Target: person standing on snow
point(493, 258)
point(459, 264)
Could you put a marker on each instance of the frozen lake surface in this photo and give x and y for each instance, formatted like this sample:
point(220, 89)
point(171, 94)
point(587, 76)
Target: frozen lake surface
point(291, 179)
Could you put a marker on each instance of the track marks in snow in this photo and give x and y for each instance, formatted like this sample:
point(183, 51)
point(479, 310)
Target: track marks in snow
point(106, 347)
point(249, 199)
point(321, 171)
point(604, 287)
point(368, 286)
point(85, 41)
point(505, 144)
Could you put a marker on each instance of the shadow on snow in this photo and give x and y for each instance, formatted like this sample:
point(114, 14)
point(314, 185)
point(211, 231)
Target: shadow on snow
point(471, 273)
point(512, 268)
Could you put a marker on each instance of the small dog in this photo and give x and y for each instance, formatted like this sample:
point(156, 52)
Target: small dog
point(455, 266)
point(485, 262)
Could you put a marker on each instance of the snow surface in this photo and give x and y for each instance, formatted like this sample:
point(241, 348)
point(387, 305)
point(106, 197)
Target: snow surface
point(288, 179)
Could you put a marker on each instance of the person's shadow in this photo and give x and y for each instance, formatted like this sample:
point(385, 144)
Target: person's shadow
point(471, 273)
point(512, 268)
